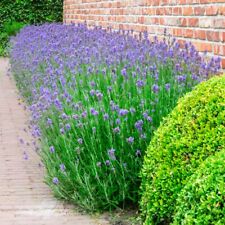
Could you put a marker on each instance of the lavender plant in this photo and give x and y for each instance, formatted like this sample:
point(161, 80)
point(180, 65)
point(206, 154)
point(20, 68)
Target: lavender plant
point(96, 98)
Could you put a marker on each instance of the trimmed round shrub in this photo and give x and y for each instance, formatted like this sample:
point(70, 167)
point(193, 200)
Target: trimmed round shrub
point(202, 200)
point(193, 131)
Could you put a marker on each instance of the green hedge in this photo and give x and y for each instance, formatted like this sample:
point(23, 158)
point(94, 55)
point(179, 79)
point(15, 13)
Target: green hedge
point(202, 201)
point(30, 11)
point(193, 131)
point(16, 13)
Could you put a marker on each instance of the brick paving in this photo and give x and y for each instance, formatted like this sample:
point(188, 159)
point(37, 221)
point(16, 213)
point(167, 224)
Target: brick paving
point(24, 198)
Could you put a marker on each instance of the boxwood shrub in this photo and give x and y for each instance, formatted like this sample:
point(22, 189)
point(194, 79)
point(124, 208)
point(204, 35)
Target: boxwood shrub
point(193, 131)
point(202, 200)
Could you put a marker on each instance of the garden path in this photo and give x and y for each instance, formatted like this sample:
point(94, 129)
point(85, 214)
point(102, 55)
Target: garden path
point(24, 198)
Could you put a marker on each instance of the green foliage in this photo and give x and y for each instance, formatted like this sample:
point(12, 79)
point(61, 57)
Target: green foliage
point(30, 11)
point(192, 132)
point(3, 43)
point(15, 13)
point(202, 200)
point(8, 29)
point(11, 28)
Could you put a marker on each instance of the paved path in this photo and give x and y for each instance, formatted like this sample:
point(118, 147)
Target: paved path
point(24, 198)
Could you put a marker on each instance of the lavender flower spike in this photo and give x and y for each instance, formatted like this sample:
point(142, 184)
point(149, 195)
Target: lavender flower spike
point(130, 140)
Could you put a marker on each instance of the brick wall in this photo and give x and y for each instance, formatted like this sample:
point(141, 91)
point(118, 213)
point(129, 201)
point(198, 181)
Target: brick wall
point(199, 21)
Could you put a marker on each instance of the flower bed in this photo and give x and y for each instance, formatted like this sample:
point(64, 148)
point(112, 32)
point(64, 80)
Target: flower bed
point(96, 98)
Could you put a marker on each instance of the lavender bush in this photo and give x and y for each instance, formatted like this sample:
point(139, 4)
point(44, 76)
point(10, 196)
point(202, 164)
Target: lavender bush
point(96, 98)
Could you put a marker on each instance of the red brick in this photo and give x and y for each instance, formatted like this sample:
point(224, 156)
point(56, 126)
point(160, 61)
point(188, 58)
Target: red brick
point(203, 46)
point(222, 10)
point(187, 11)
point(161, 21)
point(199, 11)
point(168, 11)
point(200, 34)
point(183, 22)
point(212, 10)
point(222, 37)
point(188, 33)
point(219, 23)
point(193, 22)
point(182, 2)
point(141, 20)
point(223, 63)
point(177, 32)
point(204, 1)
point(219, 50)
point(177, 11)
point(213, 36)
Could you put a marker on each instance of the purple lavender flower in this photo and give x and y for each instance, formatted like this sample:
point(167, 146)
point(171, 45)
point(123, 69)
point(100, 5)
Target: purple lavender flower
point(107, 162)
point(156, 76)
point(77, 106)
point(138, 153)
point(124, 72)
point(52, 149)
point(139, 125)
point(140, 83)
point(116, 130)
point(123, 112)
point(25, 156)
point(92, 83)
point(145, 115)
point(149, 119)
point(118, 121)
point(134, 74)
point(155, 88)
point(113, 106)
point(106, 116)
point(99, 95)
point(64, 116)
point(132, 110)
point(62, 131)
point(94, 112)
point(80, 141)
point(62, 167)
point(84, 114)
point(75, 116)
point(109, 88)
point(194, 77)
point(130, 140)
point(92, 92)
point(181, 79)
point(49, 121)
point(111, 154)
point(58, 104)
point(55, 180)
point(167, 86)
point(68, 127)
point(21, 141)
